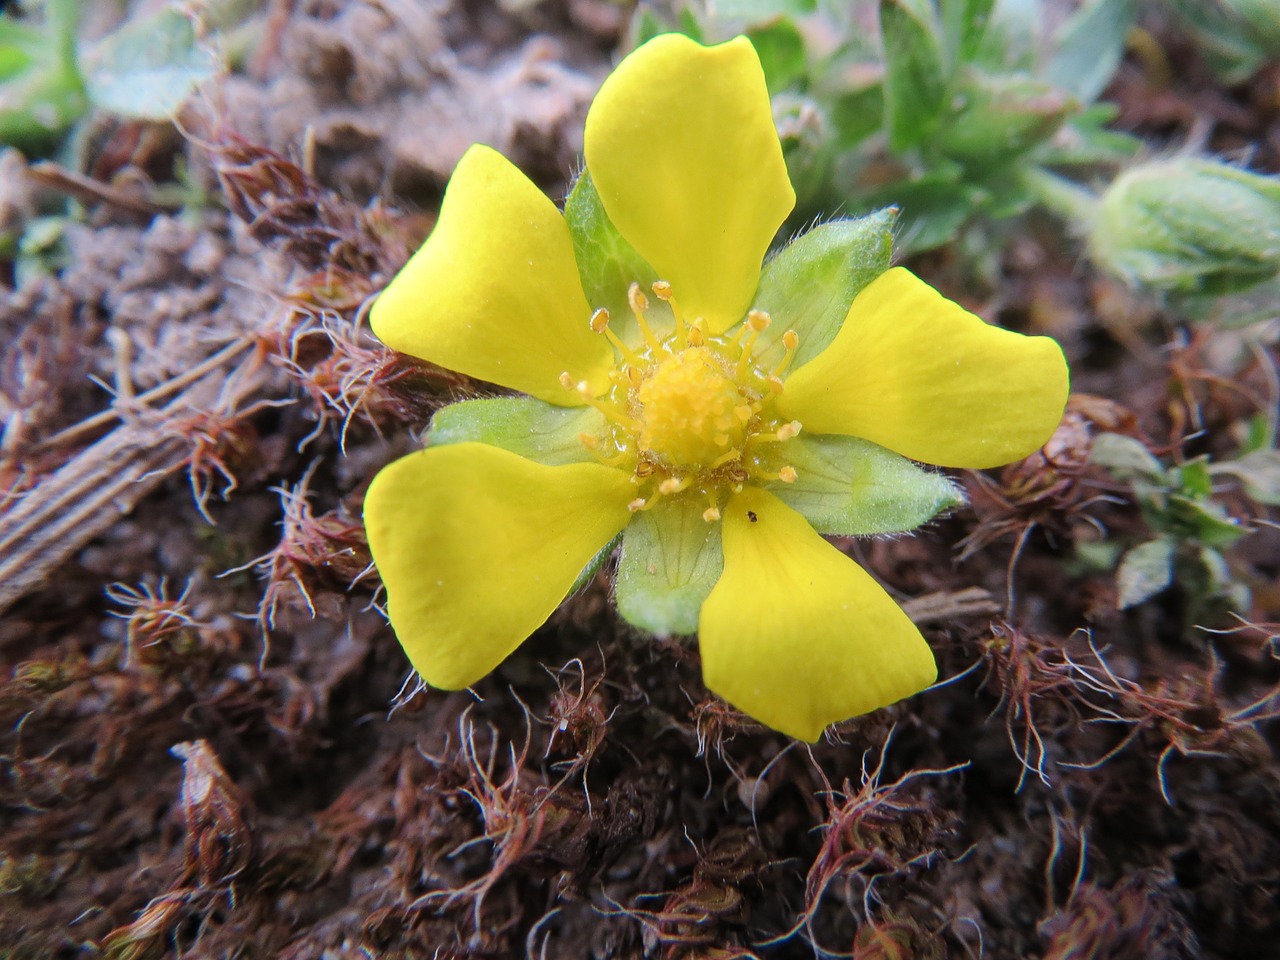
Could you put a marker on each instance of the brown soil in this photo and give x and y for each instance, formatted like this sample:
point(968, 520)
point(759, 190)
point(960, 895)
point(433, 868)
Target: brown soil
point(211, 742)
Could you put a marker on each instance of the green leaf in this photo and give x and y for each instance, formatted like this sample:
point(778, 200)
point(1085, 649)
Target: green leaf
point(671, 558)
point(852, 487)
point(1194, 478)
point(780, 47)
point(1087, 138)
point(762, 9)
point(857, 113)
point(1126, 458)
point(808, 285)
point(148, 68)
point(1090, 46)
point(1145, 571)
point(1259, 474)
point(1204, 521)
point(995, 118)
point(964, 23)
point(915, 81)
point(521, 425)
point(607, 263)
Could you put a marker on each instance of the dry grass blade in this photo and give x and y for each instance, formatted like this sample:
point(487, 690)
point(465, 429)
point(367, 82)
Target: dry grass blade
point(105, 481)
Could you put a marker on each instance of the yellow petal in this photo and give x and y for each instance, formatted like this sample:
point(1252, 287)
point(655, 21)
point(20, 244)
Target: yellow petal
point(796, 634)
point(683, 151)
point(494, 292)
point(477, 547)
point(916, 373)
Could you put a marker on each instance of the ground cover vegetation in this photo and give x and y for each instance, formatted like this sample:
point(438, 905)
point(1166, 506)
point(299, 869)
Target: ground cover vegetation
point(211, 743)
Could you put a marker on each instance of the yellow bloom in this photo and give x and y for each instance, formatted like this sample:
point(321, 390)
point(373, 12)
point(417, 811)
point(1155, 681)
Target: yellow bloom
point(717, 420)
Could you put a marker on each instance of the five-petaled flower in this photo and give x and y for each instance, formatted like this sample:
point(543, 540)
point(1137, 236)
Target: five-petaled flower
point(716, 418)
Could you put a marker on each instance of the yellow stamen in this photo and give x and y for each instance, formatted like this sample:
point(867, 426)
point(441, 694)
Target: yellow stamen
point(788, 474)
point(662, 290)
point(790, 340)
point(639, 303)
point(757, 322)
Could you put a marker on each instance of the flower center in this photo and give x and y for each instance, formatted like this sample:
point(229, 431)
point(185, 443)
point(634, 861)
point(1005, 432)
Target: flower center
point(688, 411)
point(692, 412)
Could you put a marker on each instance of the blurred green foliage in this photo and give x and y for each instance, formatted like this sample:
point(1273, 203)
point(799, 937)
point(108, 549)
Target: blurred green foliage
point(49, 81)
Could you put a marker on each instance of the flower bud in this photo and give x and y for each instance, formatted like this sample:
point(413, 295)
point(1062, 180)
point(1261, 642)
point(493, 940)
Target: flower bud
point(1190, 226)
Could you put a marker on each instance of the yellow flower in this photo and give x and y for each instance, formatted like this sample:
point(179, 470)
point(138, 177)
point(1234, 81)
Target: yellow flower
point(718, 420)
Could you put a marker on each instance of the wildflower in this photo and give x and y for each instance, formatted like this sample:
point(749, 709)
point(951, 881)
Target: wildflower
point(715, 419)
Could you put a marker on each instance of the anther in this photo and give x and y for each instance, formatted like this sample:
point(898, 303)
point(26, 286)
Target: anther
point(672, 485)
point(566, 381)
point(636, 505)
point(758, 320)
point(662, 290)
point(791, 339)
point(789, 430)
point(788, 474)
point(711, 514)
point(697, 336)
point(636, 298)
point(600, 321)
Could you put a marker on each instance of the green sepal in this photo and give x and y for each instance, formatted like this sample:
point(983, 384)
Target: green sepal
point(851, 487)
point(671, 558)
point(607, 263)
point(808, 285)
point(915, 81)
point(593, 566)
point(521, 425)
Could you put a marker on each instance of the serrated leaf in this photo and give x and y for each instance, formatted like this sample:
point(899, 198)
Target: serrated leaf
point(915, 81)
point(521, 425)
point(671, 558)
point(851, 487)
point(1145, 571)
point(809, 284)
point(148, 68)
point(1089, 47)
